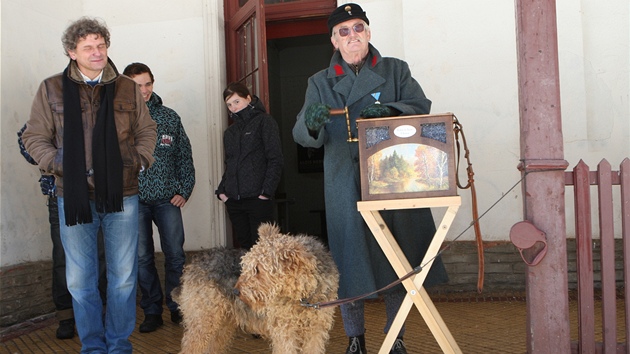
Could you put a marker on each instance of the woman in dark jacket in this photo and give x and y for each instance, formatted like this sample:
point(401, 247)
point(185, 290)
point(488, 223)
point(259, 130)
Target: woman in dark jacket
point(253, 164)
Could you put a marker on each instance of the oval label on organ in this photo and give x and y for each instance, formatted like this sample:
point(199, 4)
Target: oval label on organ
point(405, 131)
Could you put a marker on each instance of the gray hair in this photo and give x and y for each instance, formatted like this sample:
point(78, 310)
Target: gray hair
point(80, 29)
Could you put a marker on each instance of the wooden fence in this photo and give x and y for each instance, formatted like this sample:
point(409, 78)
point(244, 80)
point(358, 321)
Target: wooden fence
point(604, 178)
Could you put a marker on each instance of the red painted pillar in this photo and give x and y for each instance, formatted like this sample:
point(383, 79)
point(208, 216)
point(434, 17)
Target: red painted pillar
point(542, 157)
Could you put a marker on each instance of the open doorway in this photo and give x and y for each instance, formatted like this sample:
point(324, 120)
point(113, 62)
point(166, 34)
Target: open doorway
point(295, 35)
point(301, 192)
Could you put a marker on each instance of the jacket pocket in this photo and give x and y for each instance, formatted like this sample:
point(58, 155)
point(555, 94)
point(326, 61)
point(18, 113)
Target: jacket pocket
point(123, 114)
point(124, 105)
point(57, 110)
point(56, 107)
point(124, 111)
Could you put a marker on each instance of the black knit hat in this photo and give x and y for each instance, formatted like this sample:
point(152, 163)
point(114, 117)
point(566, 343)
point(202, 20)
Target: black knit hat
point(344, 13)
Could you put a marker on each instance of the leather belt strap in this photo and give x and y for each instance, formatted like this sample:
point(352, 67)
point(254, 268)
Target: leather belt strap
point(459, 130)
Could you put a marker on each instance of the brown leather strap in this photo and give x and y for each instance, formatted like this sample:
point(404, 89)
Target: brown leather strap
point(459, 130)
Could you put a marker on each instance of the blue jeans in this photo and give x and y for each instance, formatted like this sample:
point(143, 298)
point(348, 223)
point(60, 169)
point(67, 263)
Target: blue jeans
point(61, 296)
point(120, 235)
point(168, 219)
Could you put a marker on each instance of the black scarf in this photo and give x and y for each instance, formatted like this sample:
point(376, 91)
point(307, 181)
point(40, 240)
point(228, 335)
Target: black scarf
point(106, 156)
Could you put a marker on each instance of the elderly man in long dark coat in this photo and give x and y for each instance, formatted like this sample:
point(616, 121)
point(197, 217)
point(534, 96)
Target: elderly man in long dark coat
point(358, 77)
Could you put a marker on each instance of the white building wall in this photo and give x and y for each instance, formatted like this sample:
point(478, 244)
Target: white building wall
point(463, 53)
point(31, 51)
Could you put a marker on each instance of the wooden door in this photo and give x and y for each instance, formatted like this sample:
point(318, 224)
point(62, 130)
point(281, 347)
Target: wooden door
point(246, 46)
point(246, 25)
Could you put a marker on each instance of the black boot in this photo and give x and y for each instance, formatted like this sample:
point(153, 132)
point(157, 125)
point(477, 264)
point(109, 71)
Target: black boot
point(356, 345)
point(66, 329)
point(398, 347)
point(151, 323)
point(176, 316)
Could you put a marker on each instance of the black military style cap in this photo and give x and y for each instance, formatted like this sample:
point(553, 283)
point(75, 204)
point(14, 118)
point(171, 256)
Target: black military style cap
point(344, 13)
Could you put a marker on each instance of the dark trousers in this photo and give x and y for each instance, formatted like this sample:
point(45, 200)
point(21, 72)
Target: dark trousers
point(246, 215)
point(168, 219)
point(61, 296)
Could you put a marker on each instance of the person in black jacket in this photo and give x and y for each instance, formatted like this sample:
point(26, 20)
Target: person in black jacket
point(253, 164)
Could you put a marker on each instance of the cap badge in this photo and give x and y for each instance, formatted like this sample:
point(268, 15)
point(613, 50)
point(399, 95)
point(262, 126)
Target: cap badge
point(348, 9)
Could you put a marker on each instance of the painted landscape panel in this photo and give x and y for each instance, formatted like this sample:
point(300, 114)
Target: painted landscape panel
point(405, 168)
point(407, 157)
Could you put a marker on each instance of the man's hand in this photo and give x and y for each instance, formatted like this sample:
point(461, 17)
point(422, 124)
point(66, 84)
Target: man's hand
point(378, 110)
point(317, 115)
point(47, 184)
point(178, 201)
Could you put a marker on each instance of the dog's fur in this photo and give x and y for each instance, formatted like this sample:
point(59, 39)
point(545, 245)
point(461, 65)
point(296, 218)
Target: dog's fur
point(260, 292)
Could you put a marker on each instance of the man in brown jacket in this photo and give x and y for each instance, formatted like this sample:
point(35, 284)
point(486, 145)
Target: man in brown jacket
point(90, 128)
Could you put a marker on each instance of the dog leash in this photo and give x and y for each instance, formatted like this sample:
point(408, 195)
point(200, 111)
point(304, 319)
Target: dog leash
point(320, 305)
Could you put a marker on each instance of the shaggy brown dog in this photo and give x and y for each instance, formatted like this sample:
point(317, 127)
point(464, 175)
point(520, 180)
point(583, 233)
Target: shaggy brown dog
point(277, 274)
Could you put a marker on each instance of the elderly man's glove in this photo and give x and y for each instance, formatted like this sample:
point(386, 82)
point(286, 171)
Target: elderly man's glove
point(23, 149)
point(47, 183)
point(378, 110)
point(316, 115)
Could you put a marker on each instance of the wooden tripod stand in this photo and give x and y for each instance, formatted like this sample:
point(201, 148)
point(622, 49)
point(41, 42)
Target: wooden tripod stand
point(416, 294)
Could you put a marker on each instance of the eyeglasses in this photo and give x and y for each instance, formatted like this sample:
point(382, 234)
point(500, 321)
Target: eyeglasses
point(345, 31)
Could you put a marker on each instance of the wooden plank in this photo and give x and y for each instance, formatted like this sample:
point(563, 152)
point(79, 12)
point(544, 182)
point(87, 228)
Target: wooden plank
point(432, 318)
point(414, 203)
point(593, 179)
point(387, 242)
point(607, 259)
point(396, 258)
point(583, 239)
